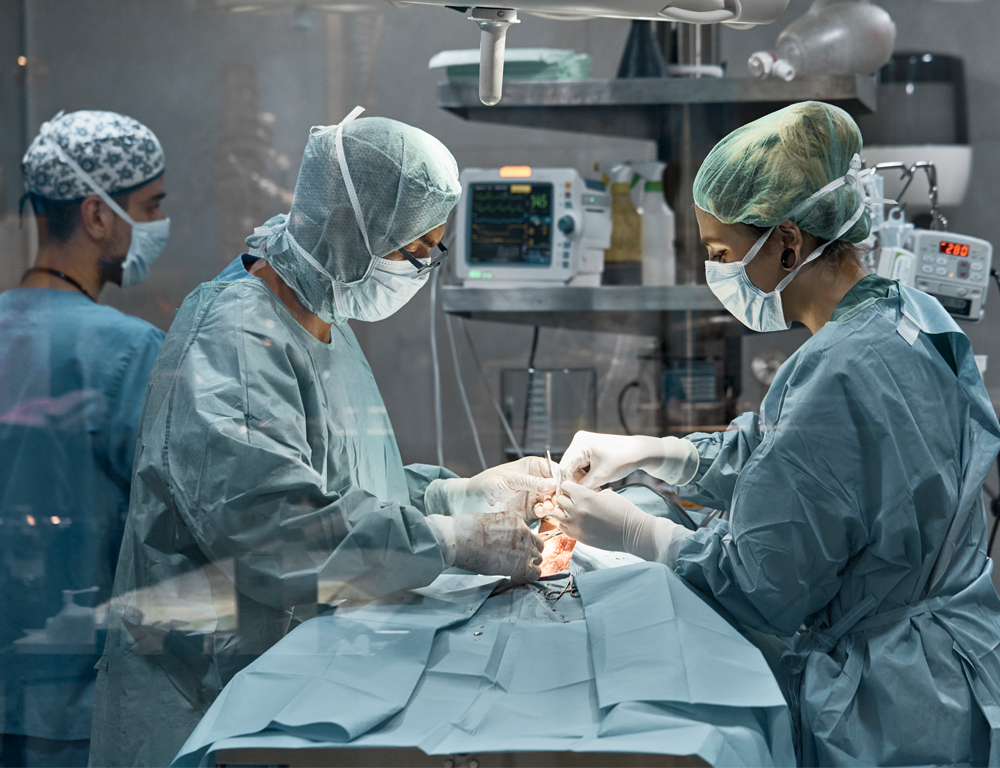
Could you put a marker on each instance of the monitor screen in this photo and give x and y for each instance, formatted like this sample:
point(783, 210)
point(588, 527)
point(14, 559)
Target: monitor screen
point(510, 224)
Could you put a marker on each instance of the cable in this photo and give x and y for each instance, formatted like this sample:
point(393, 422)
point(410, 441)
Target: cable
point(621, 405)
point(461, 390)
point(435, 364)
point(995, 502)
point(531, 380)
point(489, 391)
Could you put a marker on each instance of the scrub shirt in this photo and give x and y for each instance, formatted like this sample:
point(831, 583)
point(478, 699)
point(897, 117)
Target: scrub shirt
point(73, 375)
point(857, 527)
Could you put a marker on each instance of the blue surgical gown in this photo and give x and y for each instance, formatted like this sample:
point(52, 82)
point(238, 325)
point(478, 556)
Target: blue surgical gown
point(267, 479)
point(857, 525)
point(73, 375)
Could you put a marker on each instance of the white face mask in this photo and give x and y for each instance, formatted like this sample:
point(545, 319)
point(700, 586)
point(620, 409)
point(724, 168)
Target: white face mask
point(750, 305)
point(388, 285)
point(148, 237)
point(382, 293)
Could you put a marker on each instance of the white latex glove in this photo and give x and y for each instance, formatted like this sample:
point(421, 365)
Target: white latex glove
point(612, 457)
point(492, 543)
point(608, 520)
point(515, 487)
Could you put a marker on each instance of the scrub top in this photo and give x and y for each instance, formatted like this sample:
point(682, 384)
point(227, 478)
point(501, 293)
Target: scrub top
point(73, 375)
point(268, 481)
point(858, 531)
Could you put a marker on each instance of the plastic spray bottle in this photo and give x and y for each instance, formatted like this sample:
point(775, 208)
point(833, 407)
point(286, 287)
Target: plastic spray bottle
point(659, 228)
point(623, 260)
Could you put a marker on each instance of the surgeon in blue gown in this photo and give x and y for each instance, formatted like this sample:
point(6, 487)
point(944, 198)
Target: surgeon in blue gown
point(268, 482)
point(857, 530)
point(73, 374)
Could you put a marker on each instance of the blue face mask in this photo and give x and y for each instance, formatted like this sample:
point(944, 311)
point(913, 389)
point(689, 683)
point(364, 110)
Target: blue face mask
point(148, 240)
point(757, 310)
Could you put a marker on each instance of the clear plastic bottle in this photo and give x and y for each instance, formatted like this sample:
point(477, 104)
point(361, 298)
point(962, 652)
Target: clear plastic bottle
point(623, 260)
point(659, 231)
point(832, 38)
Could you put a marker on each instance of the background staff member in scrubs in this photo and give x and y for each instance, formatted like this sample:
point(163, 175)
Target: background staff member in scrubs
point(73, 375)
point(268, 477)
point(856, 518)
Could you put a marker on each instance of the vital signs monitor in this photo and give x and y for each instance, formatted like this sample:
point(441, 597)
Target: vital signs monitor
point(537, 226)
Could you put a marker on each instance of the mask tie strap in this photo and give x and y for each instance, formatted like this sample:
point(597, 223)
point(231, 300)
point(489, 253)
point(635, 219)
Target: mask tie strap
point(819, 251)
point(85, 177)
point(756, 247)
point(266, 237)
point(852, 179)
point(345, 172)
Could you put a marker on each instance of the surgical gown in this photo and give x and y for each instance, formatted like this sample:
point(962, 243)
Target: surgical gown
point(268, 480)
point(73, 375)
point(857, 524)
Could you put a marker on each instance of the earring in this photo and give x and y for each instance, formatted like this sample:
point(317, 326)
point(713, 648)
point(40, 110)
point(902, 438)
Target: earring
point(787, 258)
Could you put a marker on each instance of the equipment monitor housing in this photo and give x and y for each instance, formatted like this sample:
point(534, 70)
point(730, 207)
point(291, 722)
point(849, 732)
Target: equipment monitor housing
point(955, 269)
point(538, 226)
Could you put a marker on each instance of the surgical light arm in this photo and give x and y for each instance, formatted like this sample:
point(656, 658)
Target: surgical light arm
point(494, 22)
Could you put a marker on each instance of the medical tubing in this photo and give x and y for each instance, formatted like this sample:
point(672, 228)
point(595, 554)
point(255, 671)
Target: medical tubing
point(436, 367)
point(995, 511)
point(486, 386)
point(462, 392)
point(621, 405)
point(527, 393)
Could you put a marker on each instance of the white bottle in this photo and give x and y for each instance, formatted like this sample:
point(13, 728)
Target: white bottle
point(74, 624)
point(831, 38)
point(659, 231)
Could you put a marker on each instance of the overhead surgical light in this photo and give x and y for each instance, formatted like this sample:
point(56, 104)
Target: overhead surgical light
point(494, 22)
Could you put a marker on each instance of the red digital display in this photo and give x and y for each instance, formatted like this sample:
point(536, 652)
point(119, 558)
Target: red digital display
point(954, 249)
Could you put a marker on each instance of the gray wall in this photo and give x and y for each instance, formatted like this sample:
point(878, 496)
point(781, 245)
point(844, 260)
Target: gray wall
point(250, 85)
point(234, 93)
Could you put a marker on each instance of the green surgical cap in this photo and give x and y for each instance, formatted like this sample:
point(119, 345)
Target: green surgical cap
point(763, 173)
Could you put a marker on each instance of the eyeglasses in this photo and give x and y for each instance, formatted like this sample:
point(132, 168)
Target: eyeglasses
point(421, 268)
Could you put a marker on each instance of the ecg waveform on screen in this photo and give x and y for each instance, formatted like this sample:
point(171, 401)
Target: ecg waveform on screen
point(511, 223)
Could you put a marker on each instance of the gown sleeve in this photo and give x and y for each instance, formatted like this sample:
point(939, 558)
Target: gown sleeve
point(240, 429)
point(419, 477)
point(795, 518)
point(722, 456)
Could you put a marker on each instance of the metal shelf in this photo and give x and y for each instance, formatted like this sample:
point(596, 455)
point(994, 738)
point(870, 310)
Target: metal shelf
point(637, 107)
point(618, 309)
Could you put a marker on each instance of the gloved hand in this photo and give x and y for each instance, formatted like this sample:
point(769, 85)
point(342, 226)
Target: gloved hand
point(515, 487)
point(608, 520)
point(492, 543)
point(612, 457)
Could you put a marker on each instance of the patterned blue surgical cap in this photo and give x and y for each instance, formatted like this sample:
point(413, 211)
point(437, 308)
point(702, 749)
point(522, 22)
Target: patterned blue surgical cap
point(117, 152)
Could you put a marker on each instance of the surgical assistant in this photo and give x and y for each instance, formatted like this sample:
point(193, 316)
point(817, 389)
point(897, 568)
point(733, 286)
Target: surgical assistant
point(268, 479)
point(73, 374)
point(856, 529)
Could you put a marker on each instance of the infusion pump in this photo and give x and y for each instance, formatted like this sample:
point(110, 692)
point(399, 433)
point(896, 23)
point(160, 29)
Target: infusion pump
point(536, 226)
point(954, 269)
